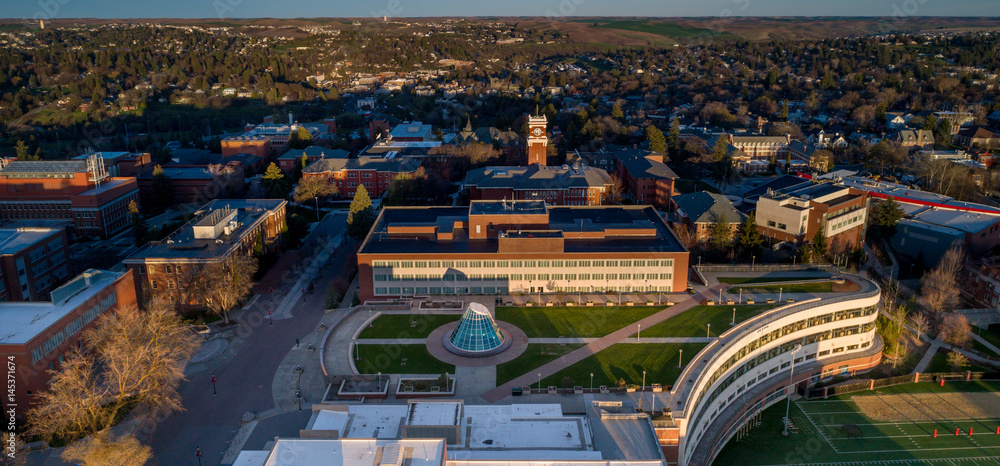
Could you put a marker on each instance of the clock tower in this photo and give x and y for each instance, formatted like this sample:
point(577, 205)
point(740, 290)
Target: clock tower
point(538, 140)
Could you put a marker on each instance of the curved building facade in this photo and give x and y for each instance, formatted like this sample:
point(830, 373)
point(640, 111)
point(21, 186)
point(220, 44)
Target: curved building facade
point(748, 367)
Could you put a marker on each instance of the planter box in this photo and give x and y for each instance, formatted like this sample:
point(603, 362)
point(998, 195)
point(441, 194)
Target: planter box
point(631, 388)
point(604, 389)
point(657, 388)
point(630, 303)
point(791, 300)
point(770, 300)
point(406, 391)
point(549, 303)
point(730, 302)
point(650, 303)
point(609, 303)
point(590, 303)
point(553, 390)
point(749, 301)
point(344, 394)
point(708, 302)
point(578, 390)
point(570, 303)
point(529, 304)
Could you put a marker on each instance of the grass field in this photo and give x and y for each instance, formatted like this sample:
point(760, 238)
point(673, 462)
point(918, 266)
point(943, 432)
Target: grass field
point(908, 414)
point(766, 279)
point(988, 335)
point(694, 322)
point(666, 29)
point(536, 355)
point(627, 361)
point(406, 325)
point(939, 363)
point(575, 321)
point(389, 359)
point(817, 287)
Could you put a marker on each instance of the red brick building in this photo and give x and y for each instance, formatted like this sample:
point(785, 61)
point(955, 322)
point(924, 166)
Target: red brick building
point(796, 214)
point(981, 283)
point(292, 159)
point(645, 178)
point(498, 248)
point(253, 144)
point(555, 185)
point(698, 211)
point(77, 190)
point(196, 184)
point(538, 140)
point(39, 335)
point(220, 229)
point(376, 174)
point(32, 262)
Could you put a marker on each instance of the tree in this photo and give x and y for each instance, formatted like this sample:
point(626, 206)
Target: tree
point(886, 214)
point(227, 282)
point(819, 246)
point(23, 152)
point(955, 330)
point(361, 216)
point(140, 230)
point(939, 288)
point(163, 187)
point(616, 111)
point(957, 361)
point(313, 188)
point(12, 439)
point(101, 451)
point(750, 238)
point(615, 189)
point(300, 138)
point(275, 183)
point(720, 234)
point(720, 149)
point(920, 324)
point(135, 358)
point(821, 160)
point(686, 236)
point(674, 139)
point(657, 142)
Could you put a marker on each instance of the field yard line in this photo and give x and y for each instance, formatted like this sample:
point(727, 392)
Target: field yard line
point(921, 450)
point(836, 412)
point(995, 459)
point(907, 436)
point(937, 421)
point(821, 433)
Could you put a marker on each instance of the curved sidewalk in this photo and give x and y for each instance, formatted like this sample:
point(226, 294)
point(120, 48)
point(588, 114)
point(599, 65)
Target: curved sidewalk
point(618, 336)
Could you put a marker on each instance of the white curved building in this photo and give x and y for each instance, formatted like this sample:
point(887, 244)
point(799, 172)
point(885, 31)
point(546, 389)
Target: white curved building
point(747, 368)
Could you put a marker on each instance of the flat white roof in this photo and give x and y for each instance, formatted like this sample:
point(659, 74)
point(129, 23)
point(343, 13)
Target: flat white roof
point(494, 427)
point(251, 458)
point(20, 322)
point(331, 420)
point(434, 413)
point(13, 240)
point(373, 421)
point(352, 452)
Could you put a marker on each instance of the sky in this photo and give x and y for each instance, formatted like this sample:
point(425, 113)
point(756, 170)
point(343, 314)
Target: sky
point(220, 9)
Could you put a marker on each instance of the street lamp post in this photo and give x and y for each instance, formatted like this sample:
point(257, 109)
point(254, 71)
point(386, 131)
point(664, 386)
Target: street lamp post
point(779, 294)
point(680, 358)
point(753, 261)
point(791, 372)
point(539, 380)
point(378, 381)
point(734, 317)
point(638, 334)
point(214, 393)
point(642, 389)
point(197, 454)
point(708, 331)
point(591, 381)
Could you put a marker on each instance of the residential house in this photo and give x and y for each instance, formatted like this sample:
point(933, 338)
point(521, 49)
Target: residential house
point(914, 139)
point(698, 211)
point(977, 137)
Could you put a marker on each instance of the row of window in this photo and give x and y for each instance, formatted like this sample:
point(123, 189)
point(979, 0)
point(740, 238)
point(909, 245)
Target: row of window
point(72, 328)
point(23, 206)
point(522, 264)
point(501, 290)
point(558, 277)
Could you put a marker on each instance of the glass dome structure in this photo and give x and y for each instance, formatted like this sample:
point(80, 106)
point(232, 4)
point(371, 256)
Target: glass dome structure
point(477, 334)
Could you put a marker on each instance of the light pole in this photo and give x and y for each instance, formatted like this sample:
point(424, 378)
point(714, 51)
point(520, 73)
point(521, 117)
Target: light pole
point(591, 381)
point(214, 393)
point(791, 372)
point(197, 454)
point(680, 358)
point(779, 294)
point(753, 261)
point(269, 321)
point(642, 389)
point(734, 317)
point(378, 381)
point(370, 322)
point(638, 334)
point(708, 331)
point(539, 380)
point(741, 295)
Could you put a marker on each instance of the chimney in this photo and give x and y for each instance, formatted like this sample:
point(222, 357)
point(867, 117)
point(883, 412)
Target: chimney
point(290, 118)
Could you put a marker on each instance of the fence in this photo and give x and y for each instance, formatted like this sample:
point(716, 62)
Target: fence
point(768, 268)
point(823, 392)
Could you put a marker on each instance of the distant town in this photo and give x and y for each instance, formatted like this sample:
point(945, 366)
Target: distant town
point(489, 241)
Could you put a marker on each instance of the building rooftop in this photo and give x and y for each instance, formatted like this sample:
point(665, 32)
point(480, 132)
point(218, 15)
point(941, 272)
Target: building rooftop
point(41, 168)
point(20, 322)
point(781, 182)
point(706, 207)
point(538, 177)
point(508, 208)
point(355, 452)
point(14, 240)
point(395, 165)
point(969, 222)
point(640, 166)
point(189, 243)
point(411, 129)
point(182, 172)
point(107, 185)
point(315, 151)
point(114, 156)
point(651, 233)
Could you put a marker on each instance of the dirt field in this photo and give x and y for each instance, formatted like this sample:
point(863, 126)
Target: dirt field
point(929, 406)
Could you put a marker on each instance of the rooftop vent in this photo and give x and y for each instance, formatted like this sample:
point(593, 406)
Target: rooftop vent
point(215, 223)
point(392, 455)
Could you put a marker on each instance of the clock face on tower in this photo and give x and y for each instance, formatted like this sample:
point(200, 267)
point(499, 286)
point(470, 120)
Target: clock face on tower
point(537, 132)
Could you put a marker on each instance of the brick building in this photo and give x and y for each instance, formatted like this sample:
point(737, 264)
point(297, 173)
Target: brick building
point(502, 247)
point(76, 190)
point(32, 262)
point(566, 185)
point(376, 174)
point(698, 211)
point(38, 335)
point(254, 144)
point(981, 283)
point(291, 160)
point(195, 184)
point(645, 178)
point(538, 140)
point(795, 215)
point(220, 229)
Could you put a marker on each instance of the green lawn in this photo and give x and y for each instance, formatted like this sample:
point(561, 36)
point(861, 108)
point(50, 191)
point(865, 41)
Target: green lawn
point(406, 325)
point(573, 321)
point(990, 336)
point(982, 349)
point(766, 279)
point(693, 322)
point(663, 28)
point(817, 287)
point(939, 363)
point(536, 355)
point(903, 441)
point(627, 361)
point(388, 359)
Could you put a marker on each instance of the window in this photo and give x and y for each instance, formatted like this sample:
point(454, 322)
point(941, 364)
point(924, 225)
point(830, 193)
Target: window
point(152, 284)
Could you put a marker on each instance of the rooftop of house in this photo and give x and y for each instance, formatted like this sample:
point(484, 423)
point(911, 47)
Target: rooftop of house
point(20, 322)
point(640, 165)
point(228, 221)
point(536, 177)
point(651, 233)
point(14, 240)
point(706, 207)
point(395, 165)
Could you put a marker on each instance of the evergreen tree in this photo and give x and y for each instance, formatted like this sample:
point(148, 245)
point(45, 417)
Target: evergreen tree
point(139, 227)
point(819, 247)
point(616, 112)
point(657, 142)
point(720, 149)
point(163, 187)
point(720, 234)
point(885, 215)
point(274, 182)
point(361, 215)
point(675, 135)
point(750, 239)
point(783, 115)
point(300, 139)
point(21, 150)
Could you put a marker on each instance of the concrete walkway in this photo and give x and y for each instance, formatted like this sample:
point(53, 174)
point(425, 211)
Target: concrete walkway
point(926, 360)
point(542, 341)
point(596, 346)
point(976, 337)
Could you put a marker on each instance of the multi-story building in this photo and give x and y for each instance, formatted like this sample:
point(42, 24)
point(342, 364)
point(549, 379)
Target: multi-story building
point(38, 335)
point(759, 362)
point(376, 174)
point(566, 185)
point(76, 190)
point(796, 214)
point(981, 283)
point(412, 131)
point(32, 262)
point(698, 211)
point(645, 178)
point(254, 144)
point(219, 230)
point(292, 159)
point(501, 247)
point(195, 184)
point(538, 140)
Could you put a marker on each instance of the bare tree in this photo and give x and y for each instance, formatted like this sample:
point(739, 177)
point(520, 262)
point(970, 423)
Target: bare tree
point(135, 359)
point(100, 451)
point(687, 236)
point(920, 324)
point(957, 361)
point(955, 330)
point(228, 282)
point(15, 458)
point(311, 188)
point(939, 288)
point(615, 190)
